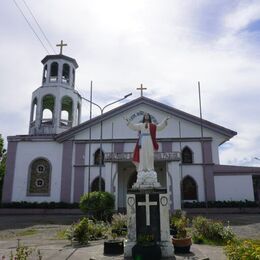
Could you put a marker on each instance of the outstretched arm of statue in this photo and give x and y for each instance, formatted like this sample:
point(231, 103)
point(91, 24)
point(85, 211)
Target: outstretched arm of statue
point(163, 124)
point(136, 127)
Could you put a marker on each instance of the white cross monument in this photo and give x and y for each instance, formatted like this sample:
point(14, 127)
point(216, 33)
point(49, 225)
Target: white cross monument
point(147, 205)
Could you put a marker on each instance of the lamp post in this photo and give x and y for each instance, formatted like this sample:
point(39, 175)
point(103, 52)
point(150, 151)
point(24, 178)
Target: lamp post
point(101, 131)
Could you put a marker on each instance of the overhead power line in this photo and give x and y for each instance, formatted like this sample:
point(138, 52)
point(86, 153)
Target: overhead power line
point(47, 40)
point(28, 22)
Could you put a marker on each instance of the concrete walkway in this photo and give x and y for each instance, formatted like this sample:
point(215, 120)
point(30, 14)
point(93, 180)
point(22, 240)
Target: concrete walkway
point(40, 232)
point(59, 251)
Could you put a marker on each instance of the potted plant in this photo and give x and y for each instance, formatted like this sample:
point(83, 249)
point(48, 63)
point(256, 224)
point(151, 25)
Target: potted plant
point(174, 217)
point(114, 246)
point(119, 224)
point(146, 248)
point(181, 241)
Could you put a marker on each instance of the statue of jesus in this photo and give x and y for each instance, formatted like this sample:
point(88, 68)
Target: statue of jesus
point(144, 150)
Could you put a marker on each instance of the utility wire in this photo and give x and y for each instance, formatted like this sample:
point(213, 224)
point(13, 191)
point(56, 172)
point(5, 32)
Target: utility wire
point(28, 22)
point(38, 25)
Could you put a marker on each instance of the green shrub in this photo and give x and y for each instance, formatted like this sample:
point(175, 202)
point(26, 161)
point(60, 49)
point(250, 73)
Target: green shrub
point(208, 231)
point(85, 230)
point(97, 230)
point(21, 253)
point(222, 204)
point(247, 250)
point(98, 204)
point(79, 231)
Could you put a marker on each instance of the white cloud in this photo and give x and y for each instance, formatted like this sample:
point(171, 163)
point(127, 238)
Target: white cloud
point(245, 13)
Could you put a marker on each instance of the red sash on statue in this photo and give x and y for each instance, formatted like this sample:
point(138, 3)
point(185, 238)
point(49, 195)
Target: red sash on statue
point(136, 157)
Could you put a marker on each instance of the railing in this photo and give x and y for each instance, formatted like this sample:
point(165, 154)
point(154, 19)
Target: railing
point(65, 123)
point(47, 121)
point(158, 156)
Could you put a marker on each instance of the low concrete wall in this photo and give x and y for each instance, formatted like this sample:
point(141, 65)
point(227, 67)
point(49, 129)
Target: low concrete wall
point(15, 211)
point(222, 210)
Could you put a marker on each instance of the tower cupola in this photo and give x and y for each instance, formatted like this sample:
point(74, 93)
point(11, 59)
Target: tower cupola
point(56, 105)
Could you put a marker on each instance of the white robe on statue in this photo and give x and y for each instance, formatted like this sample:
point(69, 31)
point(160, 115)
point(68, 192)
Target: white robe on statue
point(147, 150)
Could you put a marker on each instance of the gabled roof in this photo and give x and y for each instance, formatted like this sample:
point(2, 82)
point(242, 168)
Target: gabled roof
point(147, 101)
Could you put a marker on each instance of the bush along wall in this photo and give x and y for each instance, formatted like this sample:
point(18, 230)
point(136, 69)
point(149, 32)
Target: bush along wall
point(223, 204)
point(42, 205)
point(98, 204)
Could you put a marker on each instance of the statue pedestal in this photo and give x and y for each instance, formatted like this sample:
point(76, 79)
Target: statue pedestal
point(146, 180)
point(148, 214)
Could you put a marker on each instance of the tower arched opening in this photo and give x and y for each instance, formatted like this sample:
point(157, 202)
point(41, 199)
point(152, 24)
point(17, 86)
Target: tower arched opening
point(66, 111)
point(54, 72)
point(33, 110)
point(73, 77)
point(78, 113)
point(48, 104)
point(65, 73)
point(44, 77)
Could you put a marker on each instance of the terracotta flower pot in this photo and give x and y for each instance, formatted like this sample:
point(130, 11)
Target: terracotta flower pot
point(181, 245)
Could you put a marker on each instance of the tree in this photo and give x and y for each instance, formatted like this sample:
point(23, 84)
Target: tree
point(2, 164)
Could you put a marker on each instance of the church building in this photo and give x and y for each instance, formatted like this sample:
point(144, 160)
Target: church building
point(62, 158)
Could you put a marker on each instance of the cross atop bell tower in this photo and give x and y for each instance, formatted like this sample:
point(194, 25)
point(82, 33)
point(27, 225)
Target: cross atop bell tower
point(61, 45)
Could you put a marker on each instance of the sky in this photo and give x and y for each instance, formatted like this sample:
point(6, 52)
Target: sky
point(168, 46)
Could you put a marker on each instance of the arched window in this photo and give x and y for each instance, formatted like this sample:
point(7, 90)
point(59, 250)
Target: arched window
point(97, 157)
point(44, 77)
point(48, 103)
point(66, 111)
point(186, 155)
point(95, 185)
point(33, 110)
point(65, 73)
point(189, 188)
point(39, 178)
point(54, 72)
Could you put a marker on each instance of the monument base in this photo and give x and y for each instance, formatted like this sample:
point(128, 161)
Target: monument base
point(148, 213)
point(146, 180)
point(128, 248)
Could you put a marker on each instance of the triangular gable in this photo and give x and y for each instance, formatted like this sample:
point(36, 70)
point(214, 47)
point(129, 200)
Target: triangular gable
point(144, 100)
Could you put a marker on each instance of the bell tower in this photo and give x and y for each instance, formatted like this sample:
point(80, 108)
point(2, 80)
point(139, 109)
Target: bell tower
point(56, 105)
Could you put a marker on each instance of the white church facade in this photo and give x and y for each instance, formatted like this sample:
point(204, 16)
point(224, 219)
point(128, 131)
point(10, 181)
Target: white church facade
point(59, 160)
